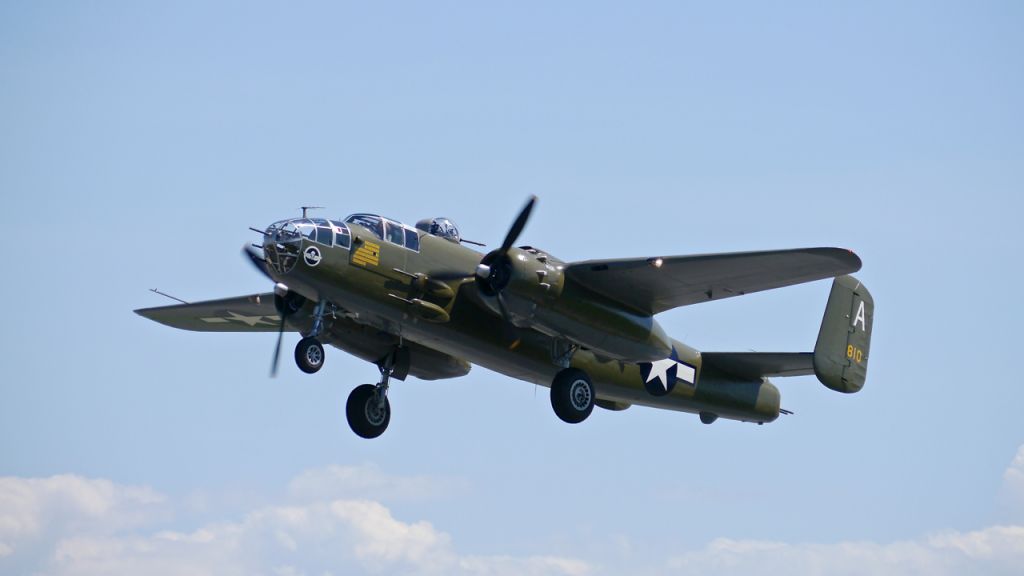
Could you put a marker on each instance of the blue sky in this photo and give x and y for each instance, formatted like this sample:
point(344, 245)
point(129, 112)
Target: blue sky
point(139, 142)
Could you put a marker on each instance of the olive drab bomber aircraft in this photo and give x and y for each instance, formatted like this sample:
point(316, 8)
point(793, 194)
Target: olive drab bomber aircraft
point(416, 301)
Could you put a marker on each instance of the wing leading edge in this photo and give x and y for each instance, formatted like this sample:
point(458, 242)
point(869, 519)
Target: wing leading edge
point(653, 285)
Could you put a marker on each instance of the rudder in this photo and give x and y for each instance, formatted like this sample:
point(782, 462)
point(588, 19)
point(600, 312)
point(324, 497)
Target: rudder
point(841, 352)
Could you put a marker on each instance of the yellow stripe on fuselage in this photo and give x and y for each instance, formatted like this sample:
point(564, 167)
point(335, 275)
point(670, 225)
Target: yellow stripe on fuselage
point(367, 254)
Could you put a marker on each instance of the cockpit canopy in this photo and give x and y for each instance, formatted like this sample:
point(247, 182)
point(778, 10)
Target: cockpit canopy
point(387, 229)
point(282, 240)
point(441, 227)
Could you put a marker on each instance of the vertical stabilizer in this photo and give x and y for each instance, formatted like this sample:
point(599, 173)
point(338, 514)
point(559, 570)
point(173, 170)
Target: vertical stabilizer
point(841, 353)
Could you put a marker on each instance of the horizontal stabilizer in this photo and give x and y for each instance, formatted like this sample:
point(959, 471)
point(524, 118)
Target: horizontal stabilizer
point(760, 364)
point(653, 285)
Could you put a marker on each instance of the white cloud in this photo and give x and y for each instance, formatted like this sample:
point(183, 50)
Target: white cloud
point(38, 509)
point(368, 481)
point(992, 551)
point(72, 526)
point(1013, 483)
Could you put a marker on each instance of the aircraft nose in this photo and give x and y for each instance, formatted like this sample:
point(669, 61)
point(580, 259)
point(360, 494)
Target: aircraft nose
point(281, 242)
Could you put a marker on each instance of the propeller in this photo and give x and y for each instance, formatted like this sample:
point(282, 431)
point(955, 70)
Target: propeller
point(495, 269)
point(256, 259)
point(494, 272)
point(277, 347)
point(285, 301)
point(287, 304)
point(518, 225)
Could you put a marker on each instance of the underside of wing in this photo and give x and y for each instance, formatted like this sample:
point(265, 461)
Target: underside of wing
point(760, 364)
point(255, 313)
point(653, 285)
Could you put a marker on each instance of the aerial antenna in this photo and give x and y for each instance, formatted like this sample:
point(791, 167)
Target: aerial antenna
point(305, 208)
point(155, 291)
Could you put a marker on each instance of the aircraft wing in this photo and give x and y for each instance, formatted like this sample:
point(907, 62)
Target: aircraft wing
point(760, 364)
point(255, 313)
point(644, 285)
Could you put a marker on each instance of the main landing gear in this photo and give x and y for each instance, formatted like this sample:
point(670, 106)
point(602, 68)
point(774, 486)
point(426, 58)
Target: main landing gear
point(309, 352)
point(572, 395)
point(368, 410)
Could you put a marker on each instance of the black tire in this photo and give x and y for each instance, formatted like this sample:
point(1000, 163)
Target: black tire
point(364, 418)
point(572, 395)
point(309, 355)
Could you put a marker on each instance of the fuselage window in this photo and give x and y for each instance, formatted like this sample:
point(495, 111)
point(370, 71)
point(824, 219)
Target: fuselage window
point(341, 235)
point(395, 233)
point(324, 235)
point(412, 240)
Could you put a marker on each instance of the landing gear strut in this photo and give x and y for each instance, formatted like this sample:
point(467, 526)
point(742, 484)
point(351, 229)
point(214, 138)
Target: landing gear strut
point(572, 395)
point(309, 352)
point(368, 410)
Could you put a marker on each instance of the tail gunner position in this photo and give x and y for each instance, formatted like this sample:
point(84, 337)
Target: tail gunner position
point(416, 301)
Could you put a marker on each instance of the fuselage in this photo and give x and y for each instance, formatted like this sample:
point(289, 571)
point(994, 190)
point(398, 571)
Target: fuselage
point(420, 287)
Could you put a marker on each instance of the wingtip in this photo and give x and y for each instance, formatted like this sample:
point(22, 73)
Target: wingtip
point(857, 262)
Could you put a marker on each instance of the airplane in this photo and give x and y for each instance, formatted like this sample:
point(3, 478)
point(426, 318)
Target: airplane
point(416, 301)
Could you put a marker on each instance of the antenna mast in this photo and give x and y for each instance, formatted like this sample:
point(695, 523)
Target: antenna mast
point(305, 208)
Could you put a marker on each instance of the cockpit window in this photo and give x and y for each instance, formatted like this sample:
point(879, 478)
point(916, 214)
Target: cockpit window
point(385, 228)
point(412, 239)
point(368, 221)
point(395, 233)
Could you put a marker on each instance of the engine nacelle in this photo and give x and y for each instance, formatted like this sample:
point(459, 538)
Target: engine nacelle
point(536, 294)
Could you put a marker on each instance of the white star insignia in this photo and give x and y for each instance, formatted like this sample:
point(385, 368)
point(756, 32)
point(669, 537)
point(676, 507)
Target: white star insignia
point(660, 370)
point(248, 320)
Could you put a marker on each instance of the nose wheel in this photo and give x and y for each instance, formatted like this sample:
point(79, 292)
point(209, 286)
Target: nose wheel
point(309, 355)
point(309, 352)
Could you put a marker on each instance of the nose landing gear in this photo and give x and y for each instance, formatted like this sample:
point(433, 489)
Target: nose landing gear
point(309, 355)
point(309, 352)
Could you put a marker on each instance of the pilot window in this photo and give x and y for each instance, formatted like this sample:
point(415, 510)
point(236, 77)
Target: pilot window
point(396, 234)
point(412, 240)
point(371, 223)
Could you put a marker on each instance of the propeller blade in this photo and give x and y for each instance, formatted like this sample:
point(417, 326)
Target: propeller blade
point(277, 349)
point(256, 259)
point(508, 329)
point(504, 309)
point(518, 225)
